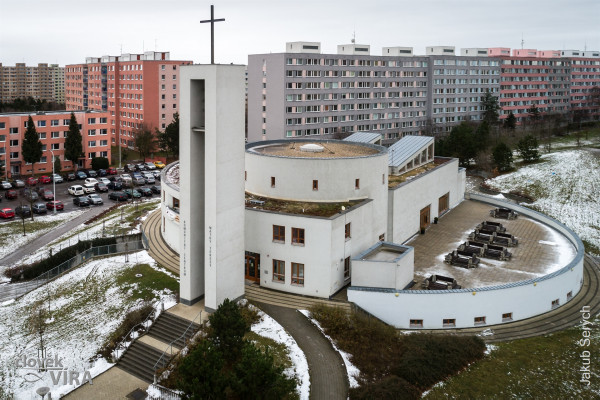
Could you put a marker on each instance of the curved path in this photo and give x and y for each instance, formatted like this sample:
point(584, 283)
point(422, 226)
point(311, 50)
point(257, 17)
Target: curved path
point(157, 247)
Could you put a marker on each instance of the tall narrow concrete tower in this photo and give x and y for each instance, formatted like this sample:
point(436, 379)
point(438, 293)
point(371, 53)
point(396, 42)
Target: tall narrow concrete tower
point(211, 131)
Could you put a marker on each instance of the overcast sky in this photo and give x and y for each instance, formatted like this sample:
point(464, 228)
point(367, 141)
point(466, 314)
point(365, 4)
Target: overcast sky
point(67, 31)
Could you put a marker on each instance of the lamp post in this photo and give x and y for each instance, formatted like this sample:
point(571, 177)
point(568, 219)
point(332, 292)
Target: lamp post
point(53, 183)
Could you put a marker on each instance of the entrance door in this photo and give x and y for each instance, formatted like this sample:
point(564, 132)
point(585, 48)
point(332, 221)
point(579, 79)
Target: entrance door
point(252, 267)
point(425, 218)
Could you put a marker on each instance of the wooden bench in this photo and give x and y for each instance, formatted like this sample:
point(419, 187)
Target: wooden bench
point(439, 282)
point(491, 227)
point(489, 250)
point(463, 260)
point(504, 213)
point(502, 239)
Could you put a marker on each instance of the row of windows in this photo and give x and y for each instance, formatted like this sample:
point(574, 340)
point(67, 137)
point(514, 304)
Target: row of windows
point(297, 272)
point(279, 235)
point(351, 62)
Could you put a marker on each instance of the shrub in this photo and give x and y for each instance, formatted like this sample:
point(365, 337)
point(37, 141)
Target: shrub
point(389, 388)
point(133, 318)
point(227, 329)
point(528, 149)
point(100, 163)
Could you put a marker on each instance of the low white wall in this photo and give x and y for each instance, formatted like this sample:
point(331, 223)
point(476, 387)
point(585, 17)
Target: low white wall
point(523, 299)
point(170, 219)
point(384, 274)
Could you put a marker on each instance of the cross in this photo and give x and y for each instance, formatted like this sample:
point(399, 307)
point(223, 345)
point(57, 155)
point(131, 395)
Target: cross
point(212, 21)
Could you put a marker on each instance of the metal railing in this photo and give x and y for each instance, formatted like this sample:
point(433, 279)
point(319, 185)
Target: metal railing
point(158, 392)
point(20, 289)
point(160, 363)
point(140, 329)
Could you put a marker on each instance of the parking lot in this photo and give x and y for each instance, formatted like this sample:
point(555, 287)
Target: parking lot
point(62, 195)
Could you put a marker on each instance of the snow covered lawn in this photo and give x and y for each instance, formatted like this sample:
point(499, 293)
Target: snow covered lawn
point(567, 187)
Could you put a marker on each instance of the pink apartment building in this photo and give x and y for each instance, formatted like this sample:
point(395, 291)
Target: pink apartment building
point(135, 90)
point(52, 127)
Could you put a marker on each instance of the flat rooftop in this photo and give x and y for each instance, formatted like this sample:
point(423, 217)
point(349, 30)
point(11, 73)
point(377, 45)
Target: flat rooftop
point(337, 149)
point(541, 249)
point(298, 207)
point(383, 253)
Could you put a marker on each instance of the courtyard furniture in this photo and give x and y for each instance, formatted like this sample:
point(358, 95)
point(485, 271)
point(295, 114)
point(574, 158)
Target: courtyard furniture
point(504, 213)
point(462, 260)
point(440, 282)
point(491, 227)
point(489, 250)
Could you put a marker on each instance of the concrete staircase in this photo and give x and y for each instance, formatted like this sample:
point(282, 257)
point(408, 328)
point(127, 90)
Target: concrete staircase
point(262, 295)
point(140, 357)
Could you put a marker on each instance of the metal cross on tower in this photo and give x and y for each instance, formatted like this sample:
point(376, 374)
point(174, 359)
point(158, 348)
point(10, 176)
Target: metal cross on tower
point(212, 21)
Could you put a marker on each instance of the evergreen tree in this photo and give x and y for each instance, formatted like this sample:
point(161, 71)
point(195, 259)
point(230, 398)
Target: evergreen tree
point(534, 113)
point(528, 149)
point(168, 140)
point(57, 165)
point(143, 141)
point(491, 108)
point(73, 142)
point(228, 329)
point(503, 158)
point(511, 121)
point(32, 146)
point(200, 375)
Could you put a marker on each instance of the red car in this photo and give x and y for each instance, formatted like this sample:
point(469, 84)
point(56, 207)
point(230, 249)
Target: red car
point(47, 195)
point(44, 179)
point(11, 194)
point(111, 171)
point(55, 204)
point(31, 181)
point(7, 213)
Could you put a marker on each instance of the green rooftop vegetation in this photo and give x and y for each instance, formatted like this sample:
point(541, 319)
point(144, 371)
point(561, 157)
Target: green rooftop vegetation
point(299, 207)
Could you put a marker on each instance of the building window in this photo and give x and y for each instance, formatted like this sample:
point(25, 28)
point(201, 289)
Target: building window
point(55, 146)
point(14, 154)
point(13, 130)
point(54, 122)
point(278, 271)
point(347, 268)
point(245, 175)
point(14, 142)
point(569, 295)
point(174, 87)
point(297, 235)
point(278, 233)
point(507, 317)
point(449, 323)
point(315, 184)
point(382, 237)
point(555, 303)
point(357, 184)
point(297, 274)
point(347, 234)
point(41, 124)
point(443, 203)
point(416, 323)
point(91, 120)
point(479, 320)
point(55, 135)
point(2, 125)
point(272, 181)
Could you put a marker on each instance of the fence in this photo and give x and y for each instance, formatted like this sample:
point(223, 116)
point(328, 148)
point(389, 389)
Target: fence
point(16, 290)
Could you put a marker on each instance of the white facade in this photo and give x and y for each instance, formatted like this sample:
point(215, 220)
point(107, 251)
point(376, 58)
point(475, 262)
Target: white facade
point(475, 51)
point(170, 224)
point(303, 47)
point(521, 300)
point(439, 50)
point(397, 51)
point(354, 49)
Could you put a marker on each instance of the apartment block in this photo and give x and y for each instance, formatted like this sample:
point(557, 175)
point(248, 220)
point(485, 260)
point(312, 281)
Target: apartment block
point(52, 128)
point(305, 93)
point(585, 83)
point(135, 89)
point(44, 82)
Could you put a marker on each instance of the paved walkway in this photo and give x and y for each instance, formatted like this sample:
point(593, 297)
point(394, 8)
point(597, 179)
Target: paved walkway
point(158, 248)
point(113, 384)
point(328, 378)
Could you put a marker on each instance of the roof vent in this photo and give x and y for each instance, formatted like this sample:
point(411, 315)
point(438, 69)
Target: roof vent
point(311, 147)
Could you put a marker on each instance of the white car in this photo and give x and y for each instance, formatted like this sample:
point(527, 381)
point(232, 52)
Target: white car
point(106, 181)
point(95, 199)
point(91, 181)
point(76, 190)
point(150, 166)
point(6, 185)
point(149, 178)
point(89, 188)
point(56, 178)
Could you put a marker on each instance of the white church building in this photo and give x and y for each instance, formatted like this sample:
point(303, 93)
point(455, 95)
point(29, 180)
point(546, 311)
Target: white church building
point(308, 216)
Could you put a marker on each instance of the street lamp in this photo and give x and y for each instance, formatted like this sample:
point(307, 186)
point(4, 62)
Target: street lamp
point(53, 183)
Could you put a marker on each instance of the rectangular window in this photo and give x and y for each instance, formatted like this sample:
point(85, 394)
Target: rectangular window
point(91, 120)
point(555, 303)
point(449, 323)
point(347, 234)
point(92, 143)
point(507, 317)
point(443, 203)
point(14, 142)
point(357, 184)
point(315, 185)
point(278, 233)
point(479, 320)
point(347, 268)
point(175, 203)
point(569, 296)
point(14, 154)
point(297, 235)
point(2, 125)
point(55, 146)
point(41, 124)
point(382, 237)
point(13, 130)
point(278, 271)
point(297, 274)
point(54, 135)
point(272, 181)
point(54, 122)
point(416, 323)
point(66, 122)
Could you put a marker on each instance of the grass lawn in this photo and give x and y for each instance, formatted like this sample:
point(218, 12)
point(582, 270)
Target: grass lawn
point(144, 287)
point(545, 367)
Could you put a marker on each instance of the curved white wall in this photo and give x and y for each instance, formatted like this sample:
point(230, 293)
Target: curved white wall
point(169, 218)
point(523, 299)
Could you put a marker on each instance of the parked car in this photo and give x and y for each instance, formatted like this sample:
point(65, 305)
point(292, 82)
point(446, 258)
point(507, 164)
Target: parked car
point(76, 190)
point(51, 205)
point(7, 213)
point(29, 194)
point(115, 185)
point(106, 181)
point(129, 167)
point(111, 171)
point(145, 191)
point(93, 181)
point(139, 181)
point(81, 175)
point(132, 193)
point(44, 179)
point(39, 208)
point(89, 188)
point(6, 185)
point(23, 211)
point(92, 173)
point(118, 196)
point(95, 199)
point(81, 201)
point(11, 194)
point(149, 178)
point(150, 166)
point(140, 167)
point(102, 172)
point(17, 183)
point(156, 175)
point(57, 178)
point(159, 164)
point(70, 176)
point(31, 181)
point(47, 195)
point(101, 187)
point(155, 189)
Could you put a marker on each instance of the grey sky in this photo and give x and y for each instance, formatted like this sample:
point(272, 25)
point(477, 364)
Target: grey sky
point(67, 31)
